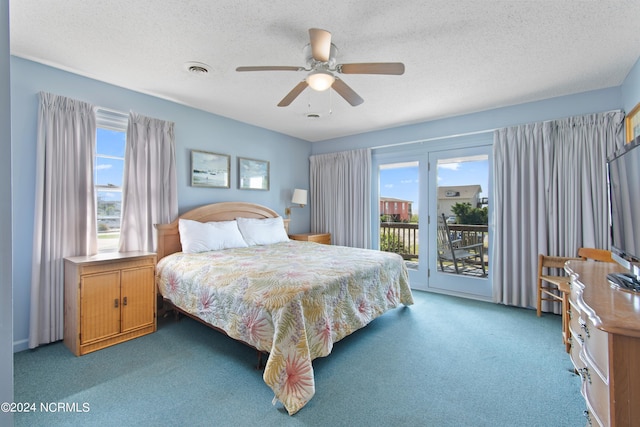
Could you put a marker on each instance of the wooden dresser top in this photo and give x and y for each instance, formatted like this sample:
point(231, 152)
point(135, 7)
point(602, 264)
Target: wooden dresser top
point(611, 309)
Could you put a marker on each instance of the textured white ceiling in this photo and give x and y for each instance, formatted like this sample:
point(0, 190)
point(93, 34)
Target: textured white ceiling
point(460, 56)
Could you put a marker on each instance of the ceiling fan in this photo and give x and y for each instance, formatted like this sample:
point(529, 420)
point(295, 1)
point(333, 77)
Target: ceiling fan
point(320, 56)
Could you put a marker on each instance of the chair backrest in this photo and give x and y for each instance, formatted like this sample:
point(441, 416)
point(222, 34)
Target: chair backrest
point(547, 261)
point(595, 254)
point(550, 262)
point(444, 237)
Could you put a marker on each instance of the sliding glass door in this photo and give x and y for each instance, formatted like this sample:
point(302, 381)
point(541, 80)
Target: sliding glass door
point(397, 218)
point(458, 212)
point(425, 193)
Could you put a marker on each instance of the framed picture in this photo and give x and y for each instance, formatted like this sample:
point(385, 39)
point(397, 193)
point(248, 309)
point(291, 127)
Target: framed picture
point(632, 123)
point(253, 174)
point(210, 169)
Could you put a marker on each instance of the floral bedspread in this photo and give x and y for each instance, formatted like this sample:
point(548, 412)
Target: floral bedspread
point(292, 299)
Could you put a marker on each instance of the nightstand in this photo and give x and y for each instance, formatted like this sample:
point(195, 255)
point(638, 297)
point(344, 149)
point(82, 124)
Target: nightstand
point(108, 298)
point(324, 238)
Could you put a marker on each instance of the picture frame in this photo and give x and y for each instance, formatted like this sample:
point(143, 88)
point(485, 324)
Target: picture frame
point(210, 169)
point(253, 174)
point(632, 123)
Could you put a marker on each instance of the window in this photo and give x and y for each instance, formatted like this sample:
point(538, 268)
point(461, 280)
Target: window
point(108, 176)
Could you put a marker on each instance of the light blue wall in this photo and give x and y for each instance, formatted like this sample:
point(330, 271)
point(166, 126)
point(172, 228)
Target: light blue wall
point(566, 106)
point(6, 300)
point(631, 88)
point(194, 129)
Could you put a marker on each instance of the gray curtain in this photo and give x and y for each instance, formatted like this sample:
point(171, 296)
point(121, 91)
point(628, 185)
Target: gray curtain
point(150, 189)
point(341, 196)
point(65, 209)
point(550, 191)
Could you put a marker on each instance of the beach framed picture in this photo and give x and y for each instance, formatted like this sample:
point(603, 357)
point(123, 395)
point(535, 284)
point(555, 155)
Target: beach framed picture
point(210, 169)
point(253, 174)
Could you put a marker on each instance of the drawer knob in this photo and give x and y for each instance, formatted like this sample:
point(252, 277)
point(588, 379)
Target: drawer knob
point(580, 339)
point(584, 374)
point(587, 415)
point(585, 328)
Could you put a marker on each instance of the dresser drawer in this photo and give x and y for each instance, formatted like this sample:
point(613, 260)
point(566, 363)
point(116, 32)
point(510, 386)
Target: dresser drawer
point(576, 339)
point(596, 394)
point(576, 350)
point(595, 348)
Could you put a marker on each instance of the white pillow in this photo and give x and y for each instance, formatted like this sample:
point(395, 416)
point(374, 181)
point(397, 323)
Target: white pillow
point(198, 236)
point(226, 235)
point(263, 231)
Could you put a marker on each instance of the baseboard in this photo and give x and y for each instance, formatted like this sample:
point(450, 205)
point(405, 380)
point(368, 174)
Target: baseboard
point(21, 345)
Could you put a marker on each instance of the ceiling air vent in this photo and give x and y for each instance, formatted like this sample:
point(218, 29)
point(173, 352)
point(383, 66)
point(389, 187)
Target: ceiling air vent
point(197, 67)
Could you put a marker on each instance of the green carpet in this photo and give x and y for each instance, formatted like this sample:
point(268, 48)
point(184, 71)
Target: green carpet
point(444, 361)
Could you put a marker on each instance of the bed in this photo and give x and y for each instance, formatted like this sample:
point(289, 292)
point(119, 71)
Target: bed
point(290, 299)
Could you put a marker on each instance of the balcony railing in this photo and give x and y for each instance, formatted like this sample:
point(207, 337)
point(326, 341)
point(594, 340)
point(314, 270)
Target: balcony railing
point(400, 238)
point(403, 238)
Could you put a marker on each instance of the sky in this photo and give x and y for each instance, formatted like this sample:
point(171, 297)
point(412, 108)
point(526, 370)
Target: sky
point(403, 182)
point(109, 170)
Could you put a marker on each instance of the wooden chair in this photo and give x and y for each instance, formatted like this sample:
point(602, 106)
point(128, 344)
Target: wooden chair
point(451, 251)
point(595, 254)
point(556, 288)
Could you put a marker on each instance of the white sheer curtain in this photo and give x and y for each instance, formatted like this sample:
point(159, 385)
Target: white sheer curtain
point(65, 211)
point(149, 191)
point(341, 196)
point(550, 196)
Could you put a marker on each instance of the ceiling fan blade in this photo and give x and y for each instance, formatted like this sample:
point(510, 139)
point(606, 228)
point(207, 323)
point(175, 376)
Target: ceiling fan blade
point(347, 93)
point(293, 94)
point(394, 68)
point(270, 68)
point(320, 44)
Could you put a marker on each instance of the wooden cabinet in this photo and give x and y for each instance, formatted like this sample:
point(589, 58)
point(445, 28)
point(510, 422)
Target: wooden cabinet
point(605, 344)
point(324, 238)
point(108, 298)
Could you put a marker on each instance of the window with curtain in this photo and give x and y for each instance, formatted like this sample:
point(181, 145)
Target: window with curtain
point(65, 213)
point(550, 190)
point(341, 196)
point(93, 165)
point(108, 174)
point(150, 189)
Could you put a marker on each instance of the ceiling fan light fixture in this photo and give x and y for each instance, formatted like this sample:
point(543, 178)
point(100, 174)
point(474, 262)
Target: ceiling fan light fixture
point(320, 80)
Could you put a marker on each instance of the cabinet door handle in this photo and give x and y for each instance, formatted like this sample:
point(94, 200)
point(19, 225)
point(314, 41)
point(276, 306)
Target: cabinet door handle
point(115, 303)
point(124, 301)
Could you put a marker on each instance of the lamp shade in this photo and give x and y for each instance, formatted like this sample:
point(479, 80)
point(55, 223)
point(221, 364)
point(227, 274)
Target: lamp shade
point(320, 80)
point(299, 197)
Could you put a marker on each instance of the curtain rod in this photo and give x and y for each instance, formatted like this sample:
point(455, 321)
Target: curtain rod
point(109, 110)
point(435, 138)
point(479, 132)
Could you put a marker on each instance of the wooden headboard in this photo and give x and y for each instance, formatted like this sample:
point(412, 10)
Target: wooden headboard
point(169, 236)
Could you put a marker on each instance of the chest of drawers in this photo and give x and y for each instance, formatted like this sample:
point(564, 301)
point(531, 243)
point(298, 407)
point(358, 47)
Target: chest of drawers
point(605, 344)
